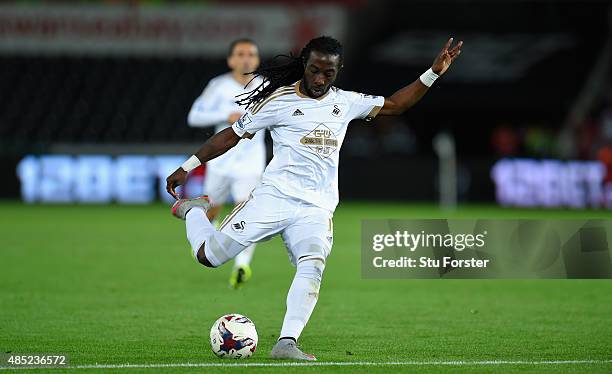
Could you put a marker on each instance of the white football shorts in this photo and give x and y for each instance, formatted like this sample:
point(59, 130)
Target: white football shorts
point(306, 229)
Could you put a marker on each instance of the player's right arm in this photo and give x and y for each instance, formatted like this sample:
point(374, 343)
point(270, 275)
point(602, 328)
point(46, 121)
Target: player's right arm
point(215, 146)
point(245, 127)
point(207, 109)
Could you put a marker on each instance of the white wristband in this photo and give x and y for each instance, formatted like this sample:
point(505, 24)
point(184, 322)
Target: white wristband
point(192, 163)
point(428, 77)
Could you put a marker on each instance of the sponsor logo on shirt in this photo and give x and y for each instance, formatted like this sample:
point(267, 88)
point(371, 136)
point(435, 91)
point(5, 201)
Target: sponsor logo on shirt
point(321, 141)
point(297, 113)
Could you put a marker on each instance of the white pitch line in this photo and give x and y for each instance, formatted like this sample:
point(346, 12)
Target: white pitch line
point(299, 364)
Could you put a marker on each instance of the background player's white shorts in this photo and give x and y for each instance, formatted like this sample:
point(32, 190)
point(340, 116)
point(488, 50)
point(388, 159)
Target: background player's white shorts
point(219, 187)
point(306, 229)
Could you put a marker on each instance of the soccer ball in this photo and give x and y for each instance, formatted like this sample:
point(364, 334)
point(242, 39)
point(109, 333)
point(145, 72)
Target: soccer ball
point(233, 336)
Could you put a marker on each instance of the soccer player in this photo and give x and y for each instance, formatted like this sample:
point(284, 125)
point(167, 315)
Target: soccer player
point(237, 172)
point(307, 117)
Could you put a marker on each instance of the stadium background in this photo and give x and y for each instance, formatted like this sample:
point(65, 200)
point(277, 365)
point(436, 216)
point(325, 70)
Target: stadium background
point(94, 97)
point(118, 78)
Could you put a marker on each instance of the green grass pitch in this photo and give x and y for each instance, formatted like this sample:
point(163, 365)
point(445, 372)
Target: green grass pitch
point(112, 285)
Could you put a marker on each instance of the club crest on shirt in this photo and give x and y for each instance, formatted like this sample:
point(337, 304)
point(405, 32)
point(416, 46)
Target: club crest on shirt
point(321, 141)
point(336, 111)
point(238, 226)
point(243, 121)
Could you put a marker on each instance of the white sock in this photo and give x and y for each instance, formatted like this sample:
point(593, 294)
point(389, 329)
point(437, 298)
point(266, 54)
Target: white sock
point(199, 228)
point(219, 247)
point(244, 257)
point(302, 297)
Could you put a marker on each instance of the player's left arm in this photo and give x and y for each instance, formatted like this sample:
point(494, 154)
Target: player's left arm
point(407, 96)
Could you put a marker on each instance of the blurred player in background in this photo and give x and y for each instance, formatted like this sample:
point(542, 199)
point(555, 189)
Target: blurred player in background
point(308, 118)
point(237, 172)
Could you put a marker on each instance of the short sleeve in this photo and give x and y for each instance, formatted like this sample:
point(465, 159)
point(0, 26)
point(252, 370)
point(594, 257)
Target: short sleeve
point(249, 123)
point(365, 106)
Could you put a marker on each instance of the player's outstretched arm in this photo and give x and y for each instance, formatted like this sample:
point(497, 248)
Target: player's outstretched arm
point(217, 145)
point(406, 97)
point(206, 110)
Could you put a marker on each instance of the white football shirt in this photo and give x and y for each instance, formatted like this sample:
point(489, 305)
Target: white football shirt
point(212, 108)
point(307, 135)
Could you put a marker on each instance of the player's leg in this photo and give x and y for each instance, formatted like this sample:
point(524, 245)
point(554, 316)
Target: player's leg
point(241, 271)
point(210, 247)
point(217, 187)
point(309, 242)
point(213, 248)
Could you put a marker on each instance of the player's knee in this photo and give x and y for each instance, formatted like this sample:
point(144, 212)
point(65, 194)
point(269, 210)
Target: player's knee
point(218, 250)
point(310, 249)
point(311, 267)
point(202, 257)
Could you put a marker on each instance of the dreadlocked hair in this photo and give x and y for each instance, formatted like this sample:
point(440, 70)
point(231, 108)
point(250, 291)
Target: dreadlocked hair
point(284, 70)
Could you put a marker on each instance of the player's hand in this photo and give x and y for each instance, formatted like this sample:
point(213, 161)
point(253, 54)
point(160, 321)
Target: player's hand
point(446, 57)
point(178, 178)
point(233, 117)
